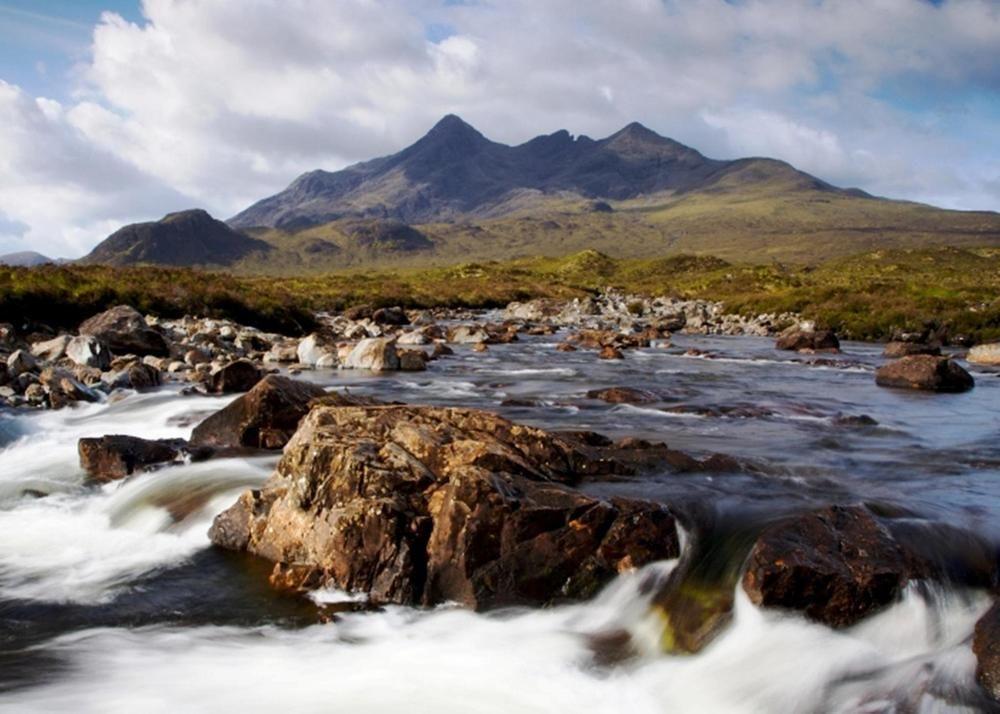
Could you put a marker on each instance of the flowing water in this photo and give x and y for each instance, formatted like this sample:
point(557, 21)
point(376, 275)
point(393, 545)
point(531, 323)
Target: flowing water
point(111, 599)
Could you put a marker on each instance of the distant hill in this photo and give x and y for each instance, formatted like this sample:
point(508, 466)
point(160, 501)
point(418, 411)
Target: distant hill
point(185, 238)
point(456, 196)
point(25, 258)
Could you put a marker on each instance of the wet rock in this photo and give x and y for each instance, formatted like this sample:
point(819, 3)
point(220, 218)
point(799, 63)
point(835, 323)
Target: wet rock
point(64, 390)
point(108, 458)
point(985, 354)
point(797, 339)
point(852, 420)
point(193, 358)
point(89, 351)
point(412, 360)
point(139, 376)
point(51, 350)
point(565, 347)
point(238, 376)
point(467, 334)
point(390, 316)
point(417, 337)
point(124, 330)
point(895, 350)
point(441, 350)
point(314, 348)
point(283, 352)
point(21, 362)
point(986, 646)
point(610, 352)
point(837, 565)
point(265, 417)
point(480, 347)
point(377, 354)
point(359, 312)
point(925, 372)
point(423, 505)
point(623, 395)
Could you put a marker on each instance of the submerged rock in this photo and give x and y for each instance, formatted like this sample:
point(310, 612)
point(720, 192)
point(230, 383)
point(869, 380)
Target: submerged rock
point(623, 395)
point(124, 330)
point(425, 505)
point(926, 372)
point(837, 565)
point(108, 458)
point(265, 417)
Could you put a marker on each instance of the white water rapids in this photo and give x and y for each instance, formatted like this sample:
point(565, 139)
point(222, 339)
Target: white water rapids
point(73, 546)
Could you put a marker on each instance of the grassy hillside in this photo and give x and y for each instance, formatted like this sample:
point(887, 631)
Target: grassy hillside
point(751, 223)
point(865, 296)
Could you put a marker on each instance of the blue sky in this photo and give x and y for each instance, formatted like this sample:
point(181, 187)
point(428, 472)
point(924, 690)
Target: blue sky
point(113, 111)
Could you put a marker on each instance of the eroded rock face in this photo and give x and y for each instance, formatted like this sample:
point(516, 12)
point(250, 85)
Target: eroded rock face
point(986, 645)
point(837, 565)
point(265, 417)
point(108, 458)
point(124, 330)
point(925, 372)
point(424, 505)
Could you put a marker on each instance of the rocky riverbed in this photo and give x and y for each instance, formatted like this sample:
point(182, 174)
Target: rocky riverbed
point(556, 505)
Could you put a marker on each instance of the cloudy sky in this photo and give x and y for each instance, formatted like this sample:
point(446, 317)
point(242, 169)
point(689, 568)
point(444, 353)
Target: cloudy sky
point(113, 111)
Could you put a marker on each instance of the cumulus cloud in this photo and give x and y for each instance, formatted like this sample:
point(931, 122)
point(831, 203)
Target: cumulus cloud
point(218, 103)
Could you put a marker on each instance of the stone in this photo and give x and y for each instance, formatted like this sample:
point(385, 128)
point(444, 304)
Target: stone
point(837, 565)
point(623, 395)
point(313, 348)
point(610, 352)
point(113, 457)
point(283, 352)
point(51, 350)
point(412, 360)
point(895, 350)
point(441, 350)
point(988, 354)
point(264, 418)
point(238, 376)
point(797, 339)
point(124, 330)
point(426, 505)
point(925, 372)
point(141, 377)
point(21, 362)
point(390, 316)
point(986, 646)
point(328, 361)
point(377, 354)
point(565, 347)
point(417, 337)
point(467, 334)
point(89, 351)
point(480, 347)
point(194, 357)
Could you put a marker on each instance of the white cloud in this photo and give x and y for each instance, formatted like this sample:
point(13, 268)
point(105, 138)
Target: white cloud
point(218, 103)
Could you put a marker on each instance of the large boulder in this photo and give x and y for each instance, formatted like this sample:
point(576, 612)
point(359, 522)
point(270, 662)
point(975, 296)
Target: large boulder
point(425, 505)
point(238, 376)
point(375, 353)
point(837, 565)
point(986, 646)
point(986, 354)
point(88, 351)
point(467, 334)
point(113, 457)
point(926, 372)
point(798, 340)
point(124, 330)
point(265, 417)
point(314, 348)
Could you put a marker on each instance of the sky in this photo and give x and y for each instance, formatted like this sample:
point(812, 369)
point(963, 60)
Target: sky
point(116, 111)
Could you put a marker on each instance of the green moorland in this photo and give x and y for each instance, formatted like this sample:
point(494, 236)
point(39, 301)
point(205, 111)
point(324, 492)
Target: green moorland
point(865, 296)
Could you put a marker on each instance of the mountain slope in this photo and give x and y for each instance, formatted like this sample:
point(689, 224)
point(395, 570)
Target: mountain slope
point(455, 172)
point(185, 238)
point(24, 258)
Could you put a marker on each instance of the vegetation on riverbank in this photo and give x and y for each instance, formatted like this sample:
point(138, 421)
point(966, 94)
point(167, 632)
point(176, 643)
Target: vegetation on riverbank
point(866, 296)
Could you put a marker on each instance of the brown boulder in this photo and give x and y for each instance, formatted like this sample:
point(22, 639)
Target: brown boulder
point(797, 340)
point(265, 417)
point(895, 350)
point(622, 395)
point(238, 376)
point(108, 458)
point(124, 330)
point(926, 372)
point(986, 646)
point(610, 352)
point(424, 505)
point(837, 565)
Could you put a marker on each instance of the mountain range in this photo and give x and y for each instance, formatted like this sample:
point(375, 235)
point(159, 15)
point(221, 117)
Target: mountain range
point(456, 195)
point(25, 259)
